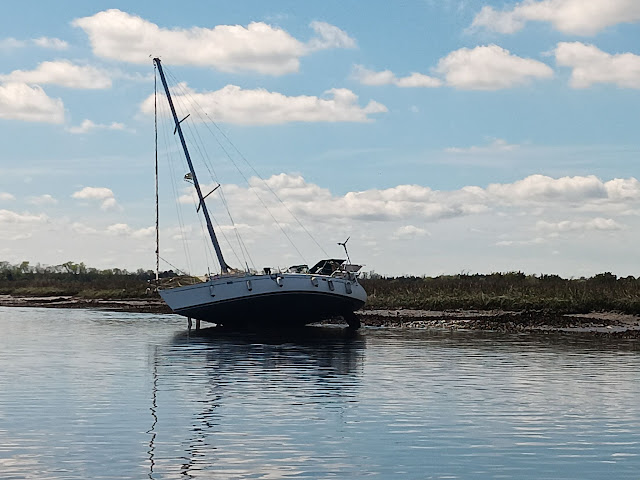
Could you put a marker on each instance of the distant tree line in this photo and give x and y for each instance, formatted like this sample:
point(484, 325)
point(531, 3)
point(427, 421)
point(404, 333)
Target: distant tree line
point(71, 278)
point(8, 270)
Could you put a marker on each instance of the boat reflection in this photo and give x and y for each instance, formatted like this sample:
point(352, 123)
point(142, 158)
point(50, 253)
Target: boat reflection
point(323, 351)
point(290, 374)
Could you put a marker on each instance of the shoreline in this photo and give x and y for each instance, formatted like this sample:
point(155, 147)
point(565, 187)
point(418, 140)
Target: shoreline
point(134, 305)
point(501, 321)
point(596, 323)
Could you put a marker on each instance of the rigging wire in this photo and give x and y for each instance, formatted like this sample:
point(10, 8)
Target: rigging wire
point(209, 165)
point(264, 205)
point(206, 244)
point(197, 144)
point(177, 270)
point(208, 254)
point(215, 124)
point(199, 147)
point(266, 184)
point(171, 165)
point(229, 156)
point(207, 248)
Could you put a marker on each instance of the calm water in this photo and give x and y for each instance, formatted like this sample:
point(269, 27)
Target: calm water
point(89, 395)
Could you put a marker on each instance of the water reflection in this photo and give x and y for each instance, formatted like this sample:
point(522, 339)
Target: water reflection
point(154, 408)
point(268, 383)
point(104, 395)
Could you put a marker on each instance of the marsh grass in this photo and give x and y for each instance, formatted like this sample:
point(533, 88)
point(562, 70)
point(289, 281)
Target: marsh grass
point(74, 280)
point(496, 291)
point(506, 291)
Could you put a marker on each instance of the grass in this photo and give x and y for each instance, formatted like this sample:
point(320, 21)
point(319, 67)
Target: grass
point(506, 291)
point(90, 285)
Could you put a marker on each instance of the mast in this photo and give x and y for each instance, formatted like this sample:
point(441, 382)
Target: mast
point(155, 122)
point(205, 211)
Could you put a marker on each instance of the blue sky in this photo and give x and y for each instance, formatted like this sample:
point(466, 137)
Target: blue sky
point(442, 136)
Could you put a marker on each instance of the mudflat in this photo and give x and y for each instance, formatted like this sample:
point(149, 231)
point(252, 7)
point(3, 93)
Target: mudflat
point(146, 305)
point(599, 323)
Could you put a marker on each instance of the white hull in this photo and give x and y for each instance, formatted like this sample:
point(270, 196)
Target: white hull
point(262, 300)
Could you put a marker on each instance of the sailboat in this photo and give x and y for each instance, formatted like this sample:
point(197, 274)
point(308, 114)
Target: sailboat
point(268, 299)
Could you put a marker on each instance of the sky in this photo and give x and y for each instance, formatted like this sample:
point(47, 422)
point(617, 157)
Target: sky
point(439, 136)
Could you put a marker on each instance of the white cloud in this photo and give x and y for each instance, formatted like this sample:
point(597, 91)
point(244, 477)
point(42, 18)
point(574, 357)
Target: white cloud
point(540, 188)
point(407, 232)
point(472, 221)
point(415, 202)
point(370, 77)
point(623, 189)
point(233, 104)
point(82, 229)
point(109, 204)
point(119, 229)
point(387, 77)
point(124, 230)
point(51, 43)
point(45, 199)
point(101, 194)
point(580, 17)
point(258, 47)
point(590, 66)
point(411, 205)
point(4, 196)
point(11, 43)
point(329, 36)
point(7, 216)
point(21, 236)
point(402, 229)
point(498, 145)
point(93, 193)
point(43, 42)
point(521, 243)
point(19, 101)
point(489, 68)
point(63, 73)
point(418, 80)
point(144, 232)
point(311, 201)
point(572, 226)
point(87, 126)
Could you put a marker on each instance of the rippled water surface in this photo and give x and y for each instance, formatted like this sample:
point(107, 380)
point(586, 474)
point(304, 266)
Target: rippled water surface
point(89, 395)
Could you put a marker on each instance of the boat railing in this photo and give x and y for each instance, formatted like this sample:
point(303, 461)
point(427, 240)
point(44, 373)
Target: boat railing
point(349, 275)
point(179, 281)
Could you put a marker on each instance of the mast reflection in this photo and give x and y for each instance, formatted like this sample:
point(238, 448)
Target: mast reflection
point(195, 372)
